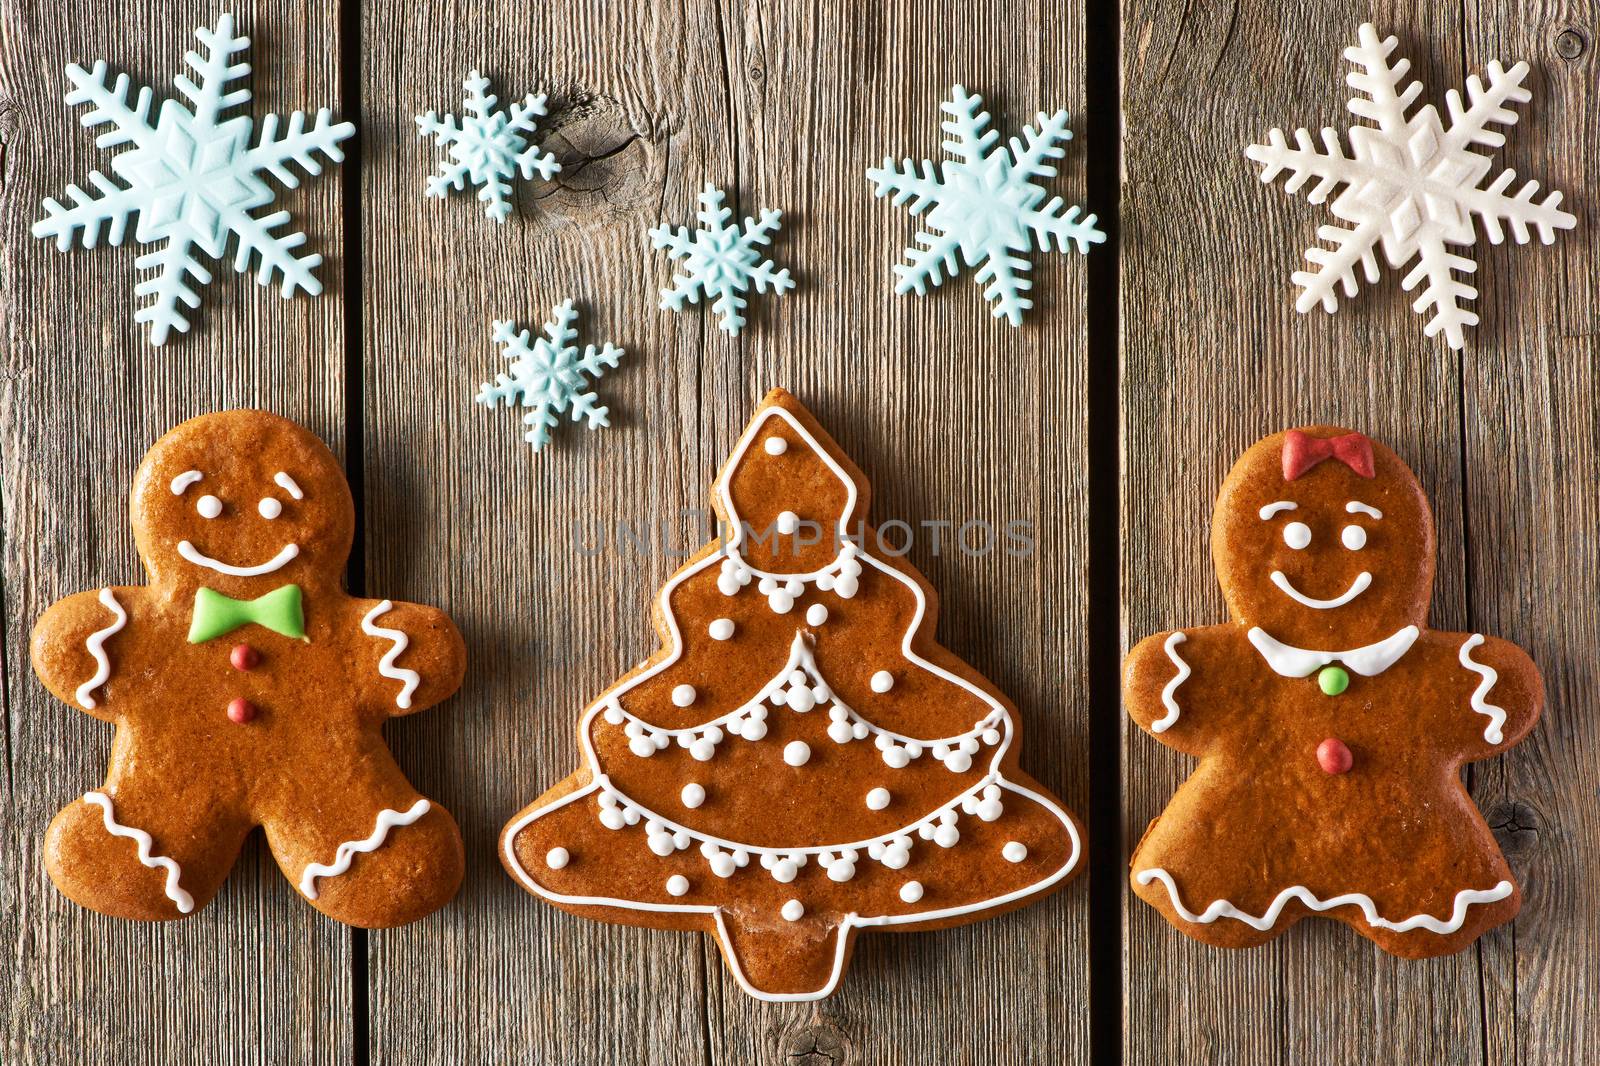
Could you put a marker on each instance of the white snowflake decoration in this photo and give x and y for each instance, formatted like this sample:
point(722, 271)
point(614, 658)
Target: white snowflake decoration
point(489, 147)
point(550, 376)
point(1412, 186)
point(986, 205)
point(193, 179)
point(721, 261)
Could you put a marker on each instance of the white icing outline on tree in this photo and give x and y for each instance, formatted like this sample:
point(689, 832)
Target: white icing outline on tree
point(193, 180)
point(985, 205)
point(601, 783)
point(488, 147)
point(1412, 187)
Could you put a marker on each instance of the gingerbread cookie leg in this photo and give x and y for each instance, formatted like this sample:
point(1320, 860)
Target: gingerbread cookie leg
point(137, 849)
point(370, 851)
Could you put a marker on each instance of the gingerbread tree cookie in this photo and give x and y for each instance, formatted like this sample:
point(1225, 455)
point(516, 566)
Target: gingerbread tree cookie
point(800, 760)
point(248, 689)
point(1330, 722)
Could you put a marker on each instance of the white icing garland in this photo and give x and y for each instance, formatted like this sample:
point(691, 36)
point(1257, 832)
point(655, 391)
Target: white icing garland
point(1224, 909)
point(1171, 717)
point(97, 648)
point(842, 579)
point(410, 678)
point(1496, 715)
point(147, 856)
point(387, 819)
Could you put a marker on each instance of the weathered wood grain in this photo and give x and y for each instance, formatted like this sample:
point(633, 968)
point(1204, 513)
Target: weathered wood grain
point(1213, 357)
point(258, 976)
point(954, 415)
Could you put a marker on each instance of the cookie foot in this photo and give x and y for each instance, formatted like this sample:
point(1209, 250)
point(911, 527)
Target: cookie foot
point(409, 866)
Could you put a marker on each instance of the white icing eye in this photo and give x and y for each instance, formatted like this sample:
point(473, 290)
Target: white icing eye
point(208, 506)
point(1354, 537)
point(1297, 535)
point(269, 508)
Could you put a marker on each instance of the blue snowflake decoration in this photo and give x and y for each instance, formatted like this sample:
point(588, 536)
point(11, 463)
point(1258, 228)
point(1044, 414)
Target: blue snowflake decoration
point(193, 179)
point(550, 376)
point(720, 261)
point(489, 147)
point(986, 205)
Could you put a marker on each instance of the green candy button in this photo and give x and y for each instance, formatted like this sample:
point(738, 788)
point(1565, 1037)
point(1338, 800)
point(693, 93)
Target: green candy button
point(1333, 680)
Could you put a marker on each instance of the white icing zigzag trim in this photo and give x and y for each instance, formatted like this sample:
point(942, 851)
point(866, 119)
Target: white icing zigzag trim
point(852, 920)
point(97, 648)
point(386, 665)
point(1223, 909)
point(145, 843)
point(388, 818)
point(1496, 715)
point(1171, 648)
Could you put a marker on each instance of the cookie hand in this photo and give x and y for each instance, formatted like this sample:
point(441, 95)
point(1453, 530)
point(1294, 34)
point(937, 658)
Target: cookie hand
point(1153, 677)
point(1505, 695)
point(414, 653)
point(74, 647)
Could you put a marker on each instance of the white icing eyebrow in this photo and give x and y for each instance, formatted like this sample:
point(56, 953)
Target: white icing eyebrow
point(289, 485)
point(184, 480)
point(1273, 508)
point(1357, 507)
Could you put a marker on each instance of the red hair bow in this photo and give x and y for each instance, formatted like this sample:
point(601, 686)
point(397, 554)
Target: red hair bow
point(1302, 452)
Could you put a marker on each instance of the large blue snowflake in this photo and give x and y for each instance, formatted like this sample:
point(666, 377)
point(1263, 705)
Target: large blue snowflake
point(489, 147)
point(986, 205)
point(550, 377)
point(720, 261)
point(193, 178)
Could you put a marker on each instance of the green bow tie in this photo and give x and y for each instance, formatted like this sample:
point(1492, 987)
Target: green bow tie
point(216, 614)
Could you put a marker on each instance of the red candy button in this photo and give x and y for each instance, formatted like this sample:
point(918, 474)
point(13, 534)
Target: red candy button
point(1334, 757)
point(244, 657)
point(241, 711)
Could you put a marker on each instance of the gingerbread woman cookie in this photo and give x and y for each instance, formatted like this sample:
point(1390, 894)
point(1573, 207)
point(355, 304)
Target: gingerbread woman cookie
point(800, 760)
point(248, 689)
point(1330, 722)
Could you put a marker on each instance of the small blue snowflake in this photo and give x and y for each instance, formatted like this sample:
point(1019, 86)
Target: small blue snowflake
point(549, 376)
point(193, 179)
point(488, 147)
point(985, 205)
point(722, 260)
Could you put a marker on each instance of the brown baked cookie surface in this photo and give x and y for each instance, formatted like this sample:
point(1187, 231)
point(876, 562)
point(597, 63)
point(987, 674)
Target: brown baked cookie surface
point(248, 689)
point(1330, 722)
point(800, 760)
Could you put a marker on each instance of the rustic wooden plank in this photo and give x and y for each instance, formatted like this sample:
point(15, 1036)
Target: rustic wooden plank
point(1214, 357)
point(787, 108)
point(1533, 500)
point(819, 94)
point(257, 976)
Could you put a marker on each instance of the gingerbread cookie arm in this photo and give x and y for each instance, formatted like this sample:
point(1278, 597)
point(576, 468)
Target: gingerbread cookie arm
point(1505, 693)
point(414, 655)
point(74, 648)
point(1159, 679)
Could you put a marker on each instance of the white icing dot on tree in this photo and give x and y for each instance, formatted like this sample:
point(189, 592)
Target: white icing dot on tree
point(776, 445)
point(882, 681)
point(1014, 851)
point(693, 795)
point(677, 885)
point(793, 911)
point(797, 753)
point(557, 858)
point(683, 695)
point(878, 799)
point(816, 614)
point(722, 629)
point(788, 522)
point(911, 891)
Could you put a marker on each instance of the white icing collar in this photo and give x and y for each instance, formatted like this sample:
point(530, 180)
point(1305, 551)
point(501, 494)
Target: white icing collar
point(1369, 661)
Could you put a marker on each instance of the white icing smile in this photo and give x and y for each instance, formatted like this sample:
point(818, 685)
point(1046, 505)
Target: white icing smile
point(1357, 587)
point(277, 562)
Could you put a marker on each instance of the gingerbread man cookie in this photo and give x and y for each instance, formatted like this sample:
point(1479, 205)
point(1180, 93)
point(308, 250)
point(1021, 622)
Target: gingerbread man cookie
point(801, 759)
point(1330, 722)
point(248, 689)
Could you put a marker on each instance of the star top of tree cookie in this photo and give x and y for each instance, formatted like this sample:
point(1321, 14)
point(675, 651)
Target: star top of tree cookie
point(800, 760)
